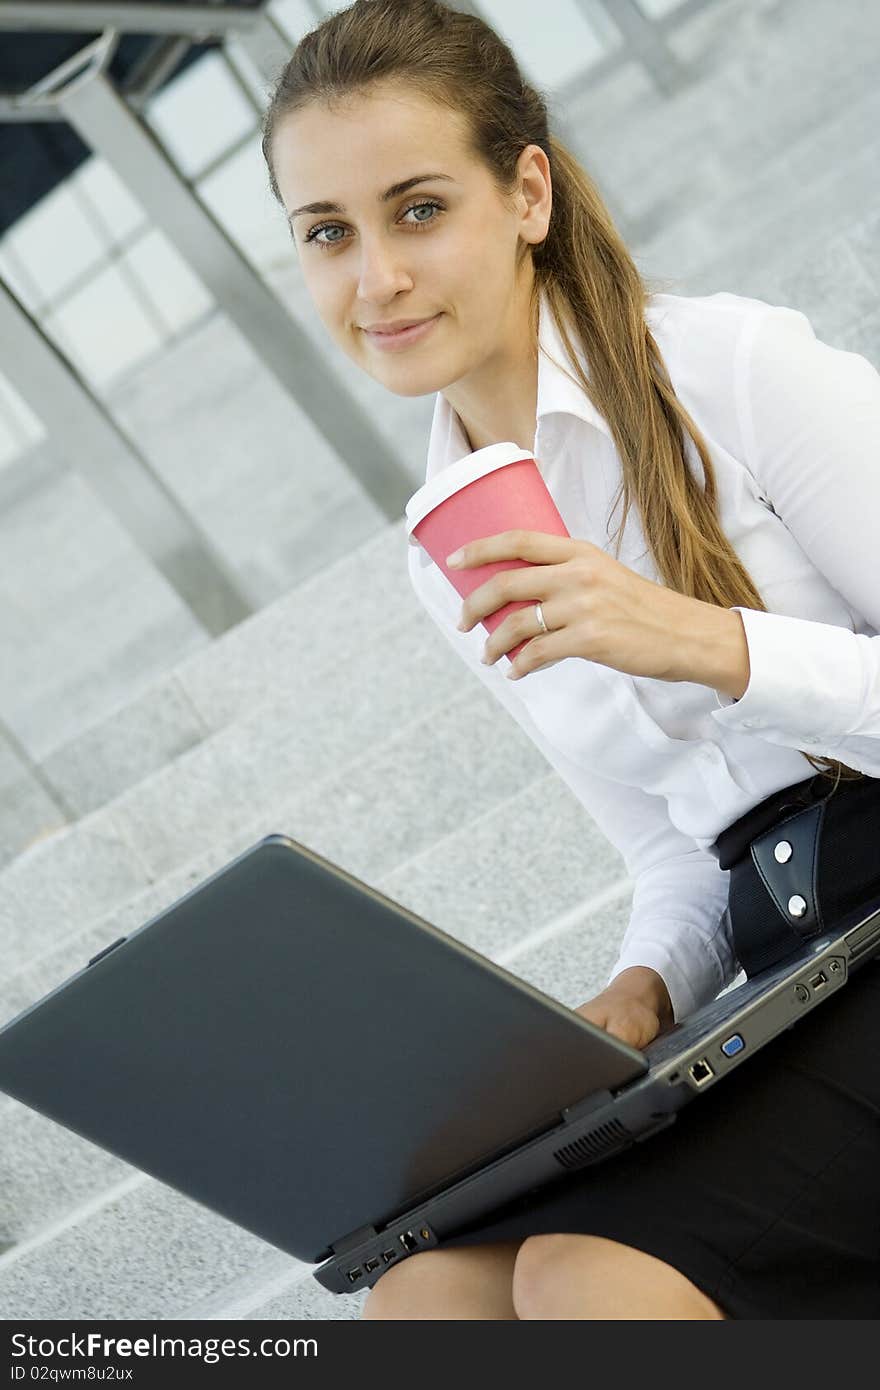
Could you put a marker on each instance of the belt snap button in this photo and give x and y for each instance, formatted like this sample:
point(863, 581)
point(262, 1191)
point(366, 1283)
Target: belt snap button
point(796, 905)
point(782, 853)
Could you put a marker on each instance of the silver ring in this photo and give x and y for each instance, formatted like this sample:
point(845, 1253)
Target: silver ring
point(539, 614)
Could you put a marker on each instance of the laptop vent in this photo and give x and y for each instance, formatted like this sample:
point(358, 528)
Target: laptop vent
point(593, 1146)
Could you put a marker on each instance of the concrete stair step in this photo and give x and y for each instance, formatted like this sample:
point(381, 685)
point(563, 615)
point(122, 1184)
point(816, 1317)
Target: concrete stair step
point(241, 456)
point(798, 202)
point(652, 153)
point(262, 769)
point(483, 880)
point(29, 808)
point(84, 612)
point(342, 607)
point(744, 181)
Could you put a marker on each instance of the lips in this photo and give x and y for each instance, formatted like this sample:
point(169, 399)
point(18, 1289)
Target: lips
point(400, 327)
point(403, 337)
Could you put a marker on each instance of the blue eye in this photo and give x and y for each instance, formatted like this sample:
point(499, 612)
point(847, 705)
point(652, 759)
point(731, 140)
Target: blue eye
point(330, 226)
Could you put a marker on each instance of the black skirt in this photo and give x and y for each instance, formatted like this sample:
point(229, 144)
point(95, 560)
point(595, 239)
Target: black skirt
point(765, 1192)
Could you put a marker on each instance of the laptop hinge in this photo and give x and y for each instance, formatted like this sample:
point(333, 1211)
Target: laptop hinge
point(350, 1242)
point(583, 1107)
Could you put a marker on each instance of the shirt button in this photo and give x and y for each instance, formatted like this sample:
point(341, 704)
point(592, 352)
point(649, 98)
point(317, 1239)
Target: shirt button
point(811, 739)
point(753, 724)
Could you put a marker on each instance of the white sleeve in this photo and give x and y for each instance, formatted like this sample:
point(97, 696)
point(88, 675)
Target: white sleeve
point(677, 924)
point(810, 418)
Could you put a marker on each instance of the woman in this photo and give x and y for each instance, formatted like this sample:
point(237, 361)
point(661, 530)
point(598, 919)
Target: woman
point(681, 686)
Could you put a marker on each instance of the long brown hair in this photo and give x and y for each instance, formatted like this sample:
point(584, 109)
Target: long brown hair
point(582, 265)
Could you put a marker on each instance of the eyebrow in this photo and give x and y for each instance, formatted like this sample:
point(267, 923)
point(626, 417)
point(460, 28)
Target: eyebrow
point(393, 192)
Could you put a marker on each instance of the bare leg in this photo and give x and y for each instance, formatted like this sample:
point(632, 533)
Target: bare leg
point(566, 1277)
point(466, 1282)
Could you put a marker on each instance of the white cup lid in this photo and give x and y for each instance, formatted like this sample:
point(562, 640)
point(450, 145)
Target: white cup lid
point(457, 475)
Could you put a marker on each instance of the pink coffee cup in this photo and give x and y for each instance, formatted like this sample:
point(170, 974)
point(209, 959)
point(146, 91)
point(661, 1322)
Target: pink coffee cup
point(495, 489)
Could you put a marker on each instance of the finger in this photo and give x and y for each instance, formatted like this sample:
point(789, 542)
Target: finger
point(540, 547)
point(630, 1035)
point(541, 651)
point(535, 584)
point(519, 626)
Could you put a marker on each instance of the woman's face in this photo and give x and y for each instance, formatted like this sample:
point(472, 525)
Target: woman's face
point(445, 247)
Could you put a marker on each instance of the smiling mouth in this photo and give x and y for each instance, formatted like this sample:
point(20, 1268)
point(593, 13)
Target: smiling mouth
point(404, 328)
point(402, 338)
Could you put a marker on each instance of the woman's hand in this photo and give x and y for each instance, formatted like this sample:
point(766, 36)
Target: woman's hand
point(596, 608)
point(635, 1007)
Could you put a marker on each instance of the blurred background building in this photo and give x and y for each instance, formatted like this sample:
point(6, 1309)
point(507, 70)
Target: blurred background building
point(206, 622)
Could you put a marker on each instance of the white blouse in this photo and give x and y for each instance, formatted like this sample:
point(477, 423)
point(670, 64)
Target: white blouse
point(792, 426)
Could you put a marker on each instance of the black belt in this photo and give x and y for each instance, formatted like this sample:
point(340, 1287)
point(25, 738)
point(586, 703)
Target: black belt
point(779, 841)
point(733, 843)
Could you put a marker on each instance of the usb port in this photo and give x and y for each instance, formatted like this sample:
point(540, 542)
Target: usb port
point(370, 1265)
point(389, 1255)
point(819, 980)
point(701, 1072)
point(354, 1275)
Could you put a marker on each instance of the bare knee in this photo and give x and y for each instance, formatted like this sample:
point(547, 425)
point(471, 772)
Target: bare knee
point(458, 1283)
point(577, 1276)
point(539, 1269)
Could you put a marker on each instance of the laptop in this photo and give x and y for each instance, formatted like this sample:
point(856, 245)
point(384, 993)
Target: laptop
point(321, 1066)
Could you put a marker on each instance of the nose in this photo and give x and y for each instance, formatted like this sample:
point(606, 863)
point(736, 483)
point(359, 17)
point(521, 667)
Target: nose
point(382, 272)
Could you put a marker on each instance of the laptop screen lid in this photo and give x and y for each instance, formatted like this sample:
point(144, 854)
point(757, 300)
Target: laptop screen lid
point(302, 1054)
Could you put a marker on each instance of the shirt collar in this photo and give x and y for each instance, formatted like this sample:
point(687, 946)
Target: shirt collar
point(557, 393)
